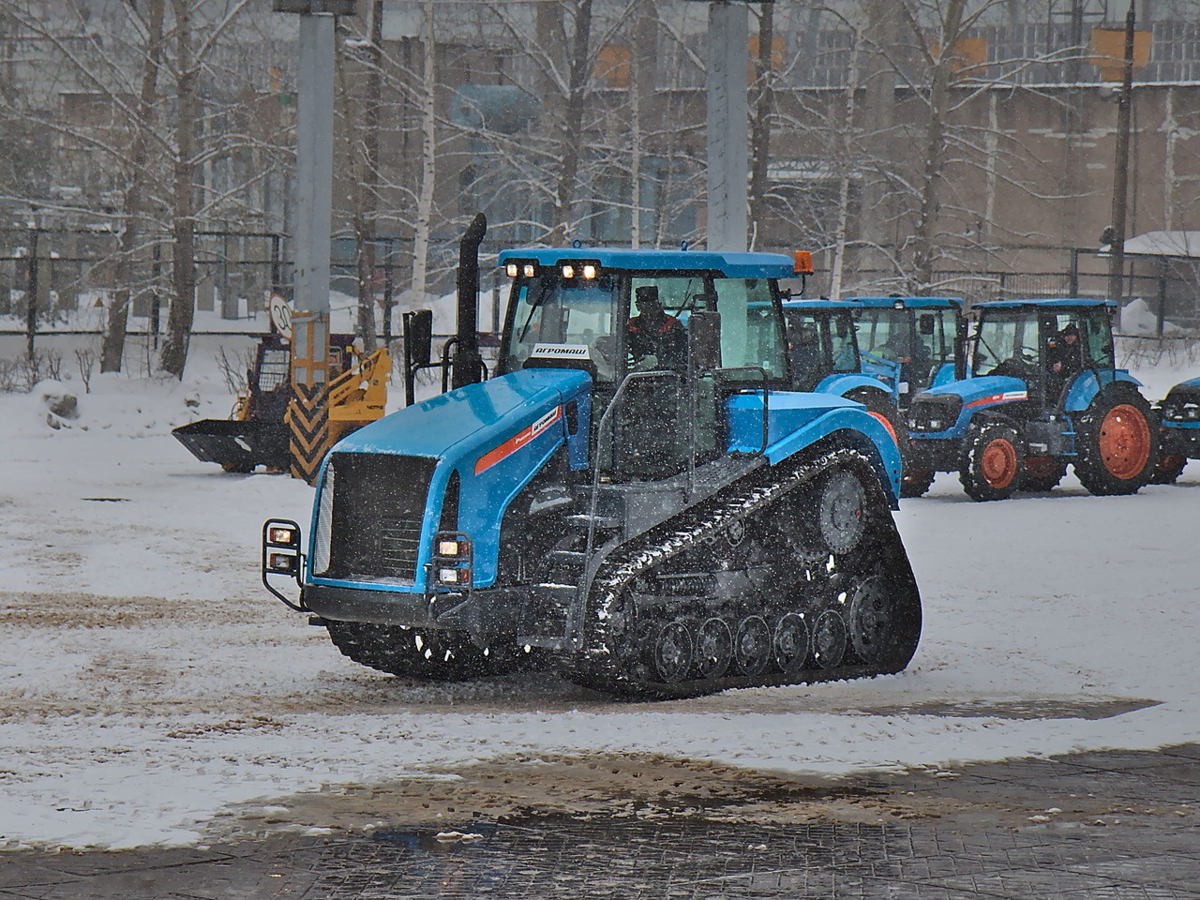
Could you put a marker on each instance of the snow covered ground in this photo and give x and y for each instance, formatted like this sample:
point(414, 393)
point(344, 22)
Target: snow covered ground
point(148, 682)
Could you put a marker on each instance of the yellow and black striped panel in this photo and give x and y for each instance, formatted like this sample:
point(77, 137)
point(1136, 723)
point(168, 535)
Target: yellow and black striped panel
point(311, 436)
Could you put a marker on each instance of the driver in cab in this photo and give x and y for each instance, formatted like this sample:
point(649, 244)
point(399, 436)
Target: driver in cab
point(657, 340)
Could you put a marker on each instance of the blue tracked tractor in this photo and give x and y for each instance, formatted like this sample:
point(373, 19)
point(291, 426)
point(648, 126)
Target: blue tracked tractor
point(635, 496)
point(1179, 416)
point(1044, 393)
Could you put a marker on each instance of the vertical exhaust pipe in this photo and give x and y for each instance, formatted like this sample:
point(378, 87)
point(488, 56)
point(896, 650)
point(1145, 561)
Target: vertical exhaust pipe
point(468, 364)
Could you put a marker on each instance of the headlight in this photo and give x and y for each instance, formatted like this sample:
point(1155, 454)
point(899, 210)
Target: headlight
point(512, 270)
point(530, 271)
point(281, 534)
point(589, 271)
point(452, 556)
point(568, 271)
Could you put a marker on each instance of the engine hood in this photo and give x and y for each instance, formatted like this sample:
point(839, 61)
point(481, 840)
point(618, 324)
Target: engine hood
point(469, 421)
point(982, 391)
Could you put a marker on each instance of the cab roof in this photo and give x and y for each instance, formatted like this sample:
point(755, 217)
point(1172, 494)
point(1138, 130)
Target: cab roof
point(732, 265)
point(819, 303)
point(909, 302)
point(1077, 303)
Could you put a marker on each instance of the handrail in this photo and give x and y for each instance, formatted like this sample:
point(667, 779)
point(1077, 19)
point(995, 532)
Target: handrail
point(601, 431)
point(766, 392)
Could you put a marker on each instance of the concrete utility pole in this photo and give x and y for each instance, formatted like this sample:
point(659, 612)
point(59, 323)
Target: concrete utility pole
point(728, 157)
point(1116, 260)
point(311, 436)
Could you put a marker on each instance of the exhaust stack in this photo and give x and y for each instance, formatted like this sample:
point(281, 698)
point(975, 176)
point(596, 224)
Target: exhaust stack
point(468, 364)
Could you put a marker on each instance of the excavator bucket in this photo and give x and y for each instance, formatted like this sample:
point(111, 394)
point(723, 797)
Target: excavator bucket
point(237, 446)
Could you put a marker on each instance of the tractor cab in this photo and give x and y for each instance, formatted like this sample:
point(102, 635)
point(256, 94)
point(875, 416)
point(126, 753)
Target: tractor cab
point(1046, 344)
point(821, 341)
point(924, 335)
point(667, 338)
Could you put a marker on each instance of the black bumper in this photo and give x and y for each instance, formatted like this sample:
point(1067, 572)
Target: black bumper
point(482, 612)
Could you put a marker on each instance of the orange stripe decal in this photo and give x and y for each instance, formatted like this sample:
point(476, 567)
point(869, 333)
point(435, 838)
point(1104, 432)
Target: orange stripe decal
point(886, 424)
point(518, 440)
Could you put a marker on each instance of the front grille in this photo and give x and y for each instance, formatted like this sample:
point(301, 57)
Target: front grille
point(377, 511)
point(934, 413)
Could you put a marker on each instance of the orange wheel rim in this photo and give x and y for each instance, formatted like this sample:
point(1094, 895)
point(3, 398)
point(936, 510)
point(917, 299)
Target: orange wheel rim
point(998, 464)
point(1124, 441)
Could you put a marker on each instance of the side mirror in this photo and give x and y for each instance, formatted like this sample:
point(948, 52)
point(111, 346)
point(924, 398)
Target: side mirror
point(704, 341)
point(418, 337)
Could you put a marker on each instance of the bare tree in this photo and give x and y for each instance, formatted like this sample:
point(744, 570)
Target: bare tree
point(113, 345)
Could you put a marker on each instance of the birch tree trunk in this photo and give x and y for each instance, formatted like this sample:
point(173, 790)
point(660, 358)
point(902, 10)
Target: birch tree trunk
point(112, 347)
point(760, 127)
point(935, 147)
point(841, 230)
point(182, 311)
point(571, 139)
point(367, 188)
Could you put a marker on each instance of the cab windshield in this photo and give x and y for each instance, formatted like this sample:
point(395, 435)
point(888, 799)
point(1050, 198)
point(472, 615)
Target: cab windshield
point(600, 320)
point(922, 340)
point(575, 316)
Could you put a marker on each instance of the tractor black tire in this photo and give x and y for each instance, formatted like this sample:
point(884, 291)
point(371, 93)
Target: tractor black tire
point(880, 405)
point(916, 482)
point(992, 465)
point(1116, 442)
point(1043, 473)
point(1171, 461)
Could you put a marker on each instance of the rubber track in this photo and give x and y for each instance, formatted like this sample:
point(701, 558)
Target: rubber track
point(597, 666)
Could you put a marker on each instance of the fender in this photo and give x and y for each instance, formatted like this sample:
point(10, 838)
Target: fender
point(495, 436)
point(945, 375)
point(796, 421)
point(1089, 383)
point(843, 383)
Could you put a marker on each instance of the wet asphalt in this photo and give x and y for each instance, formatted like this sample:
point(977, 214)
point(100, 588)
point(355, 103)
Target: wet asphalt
point(1091, 826)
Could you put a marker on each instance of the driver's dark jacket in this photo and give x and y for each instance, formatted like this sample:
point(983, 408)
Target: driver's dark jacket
point(667, 341)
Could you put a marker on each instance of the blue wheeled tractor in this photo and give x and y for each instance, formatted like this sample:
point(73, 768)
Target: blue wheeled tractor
point(1179, 418)
point(912, 344)
point(1044, 392)
point(824, 357)
point(634, 496)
